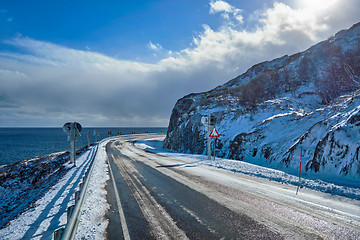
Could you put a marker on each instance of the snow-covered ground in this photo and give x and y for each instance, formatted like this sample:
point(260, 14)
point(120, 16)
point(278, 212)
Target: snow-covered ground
point(49, 212)
point(92, 222)
point(351, 190)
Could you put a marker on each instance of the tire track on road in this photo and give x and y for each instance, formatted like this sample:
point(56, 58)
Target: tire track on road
point(160, 222)
point(208, 217)
point(302, 228)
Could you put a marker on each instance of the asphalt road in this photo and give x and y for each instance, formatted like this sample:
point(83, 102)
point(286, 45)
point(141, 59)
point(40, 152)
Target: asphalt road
point(157, 197)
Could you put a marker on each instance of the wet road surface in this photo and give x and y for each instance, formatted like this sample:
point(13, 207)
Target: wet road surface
point(156, 197)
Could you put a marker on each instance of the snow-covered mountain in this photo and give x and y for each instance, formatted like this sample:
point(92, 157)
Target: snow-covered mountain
point(311, 99)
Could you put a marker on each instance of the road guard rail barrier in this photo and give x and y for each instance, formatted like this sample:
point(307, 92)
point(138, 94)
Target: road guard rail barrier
point(73, 212)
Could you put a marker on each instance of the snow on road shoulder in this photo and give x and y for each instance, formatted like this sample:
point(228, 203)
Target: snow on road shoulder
point(92, 222)
point(49, 212)
point(254, 170)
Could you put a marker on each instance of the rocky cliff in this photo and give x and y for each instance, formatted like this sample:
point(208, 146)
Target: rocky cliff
point(309, 99)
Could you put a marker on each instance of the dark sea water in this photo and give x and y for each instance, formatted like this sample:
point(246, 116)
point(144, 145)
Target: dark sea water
point(18, 144)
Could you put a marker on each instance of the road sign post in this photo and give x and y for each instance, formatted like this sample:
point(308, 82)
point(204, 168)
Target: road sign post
point(73, 131)
point(214, 142)
point(205, 120)
point(72, 142)
point(214, 134)
point(209, 142)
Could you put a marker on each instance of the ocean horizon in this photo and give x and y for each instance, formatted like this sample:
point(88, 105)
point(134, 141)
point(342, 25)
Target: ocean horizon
point(20, 143)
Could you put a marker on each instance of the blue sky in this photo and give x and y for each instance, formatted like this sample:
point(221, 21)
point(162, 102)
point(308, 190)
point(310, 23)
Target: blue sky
point(125, 63)
point(120, 29)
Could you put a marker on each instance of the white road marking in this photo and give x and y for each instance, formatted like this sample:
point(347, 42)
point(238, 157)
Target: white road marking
point(121, 211)
point(161, 223)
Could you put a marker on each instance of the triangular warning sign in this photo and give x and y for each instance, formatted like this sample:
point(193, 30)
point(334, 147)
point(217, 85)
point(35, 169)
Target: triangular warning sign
point(214, 133)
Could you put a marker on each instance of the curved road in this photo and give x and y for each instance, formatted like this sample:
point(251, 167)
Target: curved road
point(158, 197)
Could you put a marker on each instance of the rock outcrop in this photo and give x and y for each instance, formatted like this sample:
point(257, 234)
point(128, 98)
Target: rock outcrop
point(309, 99)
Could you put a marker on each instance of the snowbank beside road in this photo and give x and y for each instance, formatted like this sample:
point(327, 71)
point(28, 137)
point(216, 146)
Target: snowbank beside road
point(92, 222)
point(335, 187)
point(49, 212)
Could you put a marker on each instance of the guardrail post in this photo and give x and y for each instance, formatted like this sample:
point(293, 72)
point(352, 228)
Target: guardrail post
point(77, 196)
point(58, 233)
point(69, 212)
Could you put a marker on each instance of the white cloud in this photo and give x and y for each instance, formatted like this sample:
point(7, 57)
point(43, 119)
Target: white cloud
point(316, 5)
point(101, 90)
point(220, 6)
point(239, 18)
point(279, 30)
point(155, 47)
point(226, 9)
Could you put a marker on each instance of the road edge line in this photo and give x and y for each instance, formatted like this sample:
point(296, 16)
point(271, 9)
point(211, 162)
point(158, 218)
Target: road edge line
point(121, 211)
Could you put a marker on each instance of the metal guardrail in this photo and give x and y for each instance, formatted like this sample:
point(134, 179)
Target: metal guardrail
point(73, 212)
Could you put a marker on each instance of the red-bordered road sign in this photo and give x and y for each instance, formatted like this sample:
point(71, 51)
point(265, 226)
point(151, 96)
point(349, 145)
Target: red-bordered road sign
point(214, 133)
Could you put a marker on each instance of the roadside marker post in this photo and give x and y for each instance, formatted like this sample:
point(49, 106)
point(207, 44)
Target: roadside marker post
point(89, 138)
point(300, 163)
point(297, 190)
point(96, 134)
